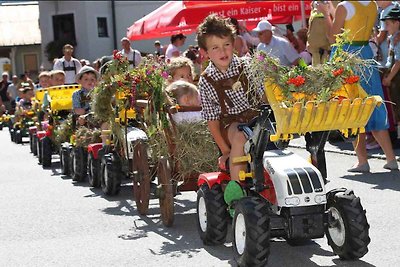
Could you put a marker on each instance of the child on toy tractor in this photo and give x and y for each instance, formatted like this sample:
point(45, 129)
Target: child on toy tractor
point(76, 164)
point(223, 86)
point(23, 115)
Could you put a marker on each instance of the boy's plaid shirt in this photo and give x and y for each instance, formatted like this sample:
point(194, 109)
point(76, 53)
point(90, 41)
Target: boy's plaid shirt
point(211, 109)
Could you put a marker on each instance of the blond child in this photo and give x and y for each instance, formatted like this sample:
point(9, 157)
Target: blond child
point(57, 78)
point(180, 68)
point(44, 79)
point(186, 96)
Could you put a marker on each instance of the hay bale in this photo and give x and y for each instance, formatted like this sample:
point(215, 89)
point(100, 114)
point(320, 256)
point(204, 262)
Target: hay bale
point(195, 149)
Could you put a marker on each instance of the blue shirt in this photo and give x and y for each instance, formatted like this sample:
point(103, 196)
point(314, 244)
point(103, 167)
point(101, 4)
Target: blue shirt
point(80, 99)
point(280, 48)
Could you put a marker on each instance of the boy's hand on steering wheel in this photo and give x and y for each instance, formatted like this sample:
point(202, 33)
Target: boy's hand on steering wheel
point(222, 161)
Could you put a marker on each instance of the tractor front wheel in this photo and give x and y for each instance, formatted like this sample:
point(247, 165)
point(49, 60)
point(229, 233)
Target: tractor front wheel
point(93, 167)
point(110, 175)
point(79, 164)
point(212, 215)
point(47, 151)
point(347, 229)
point(65, 160)
point(251, 232)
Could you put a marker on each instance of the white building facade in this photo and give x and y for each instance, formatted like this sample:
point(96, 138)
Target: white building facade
point(96, 26)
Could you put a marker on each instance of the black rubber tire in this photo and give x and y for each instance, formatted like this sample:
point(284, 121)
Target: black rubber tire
point(64, 160)
point(110, 175)
point(18, 137)
point(93, 167)
point(12, 135)
point(80, 164)
point(31, 142)
point(39, 150)
point(47, 151)
point(34, 145)
point(1, 126)
point(355, 222)
point(217, 216)
point(71, 162)
point(257, 232)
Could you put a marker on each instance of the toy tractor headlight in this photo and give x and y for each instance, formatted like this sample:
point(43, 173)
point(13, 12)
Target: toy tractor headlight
point(320, 199)
point(292, 201)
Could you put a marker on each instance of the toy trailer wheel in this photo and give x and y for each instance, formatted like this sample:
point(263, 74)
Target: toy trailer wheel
point(64, 160)
point(347, 229)
point(110, 175)
point(212, 215)
point(93, 167)
point(251, 232)
point(47, 151)
point(79, 164)
point(166, 194)
point(141, 178)
point(34, 145)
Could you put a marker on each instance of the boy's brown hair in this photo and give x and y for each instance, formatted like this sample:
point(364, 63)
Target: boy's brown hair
point(179, 62)
point(214, 25)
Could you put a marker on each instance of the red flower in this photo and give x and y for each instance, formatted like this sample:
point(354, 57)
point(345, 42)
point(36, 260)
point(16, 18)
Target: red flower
point(337, 72)
point(117, 54)
point(120, 84)
point(297, 81)
point(352, 79)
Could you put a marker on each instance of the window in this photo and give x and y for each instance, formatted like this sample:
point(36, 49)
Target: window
point(102, 27)
point(64, 28)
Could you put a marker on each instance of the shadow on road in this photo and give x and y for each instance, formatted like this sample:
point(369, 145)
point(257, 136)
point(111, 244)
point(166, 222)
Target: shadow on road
point(380, 180)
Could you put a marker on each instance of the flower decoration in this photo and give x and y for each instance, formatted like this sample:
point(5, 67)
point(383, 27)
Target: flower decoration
point(311, 83)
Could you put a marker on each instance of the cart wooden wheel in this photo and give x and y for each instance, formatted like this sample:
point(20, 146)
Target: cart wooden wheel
point(141, 177)
point(166, 195)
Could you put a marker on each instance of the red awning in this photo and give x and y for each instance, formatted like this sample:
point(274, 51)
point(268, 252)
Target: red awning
point(184, 16)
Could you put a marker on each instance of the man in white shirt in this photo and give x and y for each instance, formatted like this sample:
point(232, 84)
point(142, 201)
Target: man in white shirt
point(275, 46)
point(131, 54)
point(70, 65)
point(177, 40)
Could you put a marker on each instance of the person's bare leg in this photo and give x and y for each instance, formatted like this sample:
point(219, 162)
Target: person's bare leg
point(360, 149)
point(237, 140)
point(383, 139)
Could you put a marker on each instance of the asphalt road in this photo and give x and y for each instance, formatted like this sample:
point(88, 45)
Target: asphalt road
point(48, 220)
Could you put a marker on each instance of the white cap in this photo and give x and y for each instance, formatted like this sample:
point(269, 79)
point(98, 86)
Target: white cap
point(4, 73)
point(263, 25)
